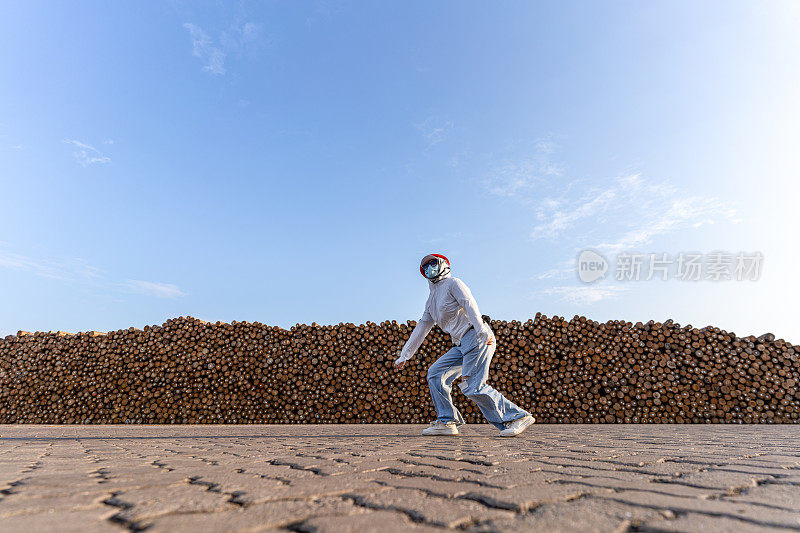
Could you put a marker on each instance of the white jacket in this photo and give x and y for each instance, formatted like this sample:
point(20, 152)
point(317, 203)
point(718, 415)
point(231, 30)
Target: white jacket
point(451, 306)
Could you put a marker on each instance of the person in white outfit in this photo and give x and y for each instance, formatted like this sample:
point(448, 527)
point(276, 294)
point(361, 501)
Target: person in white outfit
point(451, 306)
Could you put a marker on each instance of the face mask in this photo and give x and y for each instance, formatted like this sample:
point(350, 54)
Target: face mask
point(431, 271)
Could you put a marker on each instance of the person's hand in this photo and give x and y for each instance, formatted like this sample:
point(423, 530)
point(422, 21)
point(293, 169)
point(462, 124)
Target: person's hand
point(486, 336)
point(398, 364)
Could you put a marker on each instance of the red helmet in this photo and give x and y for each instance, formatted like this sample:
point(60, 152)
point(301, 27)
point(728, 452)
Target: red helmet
point(436, 266)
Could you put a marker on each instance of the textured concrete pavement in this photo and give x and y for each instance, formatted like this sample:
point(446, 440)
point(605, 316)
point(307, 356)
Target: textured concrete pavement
point(390, 478)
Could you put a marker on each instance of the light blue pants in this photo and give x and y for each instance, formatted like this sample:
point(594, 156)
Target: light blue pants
point(472, 359)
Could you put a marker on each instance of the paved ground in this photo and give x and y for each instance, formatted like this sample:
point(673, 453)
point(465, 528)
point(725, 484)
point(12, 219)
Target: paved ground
point(388, 477)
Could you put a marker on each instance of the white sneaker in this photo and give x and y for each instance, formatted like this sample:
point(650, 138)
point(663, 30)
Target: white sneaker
point(438, 427)
point(515, 427)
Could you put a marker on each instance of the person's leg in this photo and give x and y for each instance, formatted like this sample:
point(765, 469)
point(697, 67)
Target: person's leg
point(441, 375)
point(495, 407)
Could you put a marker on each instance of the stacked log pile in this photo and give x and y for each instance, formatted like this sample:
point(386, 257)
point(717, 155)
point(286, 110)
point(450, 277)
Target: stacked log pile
point(576, 371)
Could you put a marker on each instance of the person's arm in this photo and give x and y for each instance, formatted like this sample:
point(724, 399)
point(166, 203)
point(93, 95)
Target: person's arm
point(421, 331)
point(463, 296)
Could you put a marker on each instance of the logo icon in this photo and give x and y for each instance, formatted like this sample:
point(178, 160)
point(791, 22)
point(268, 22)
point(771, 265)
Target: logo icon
point(591, 266)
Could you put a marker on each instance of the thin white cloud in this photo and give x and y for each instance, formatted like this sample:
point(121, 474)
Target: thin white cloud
point(634, 181)
point(250, 32)
point(239, 39)
point(242, 37)
point(455, 160)
point(556, 273)
point(646, 209)
point(630, 211)
point(152, 288)
point(563, 270)
point(65, 269)
point(561, 219)
point(668, 214)
point(448, 237)
point(621, 214)
point(203, 47)
point(585, 295)
point(76, 269)
point(518, 178)
point(86, 154)
point(434, 129)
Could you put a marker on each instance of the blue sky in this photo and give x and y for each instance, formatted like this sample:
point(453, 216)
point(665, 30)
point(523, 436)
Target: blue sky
point(290, 162)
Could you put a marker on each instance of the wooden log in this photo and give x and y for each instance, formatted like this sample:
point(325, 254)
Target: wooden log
point(578, 371)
